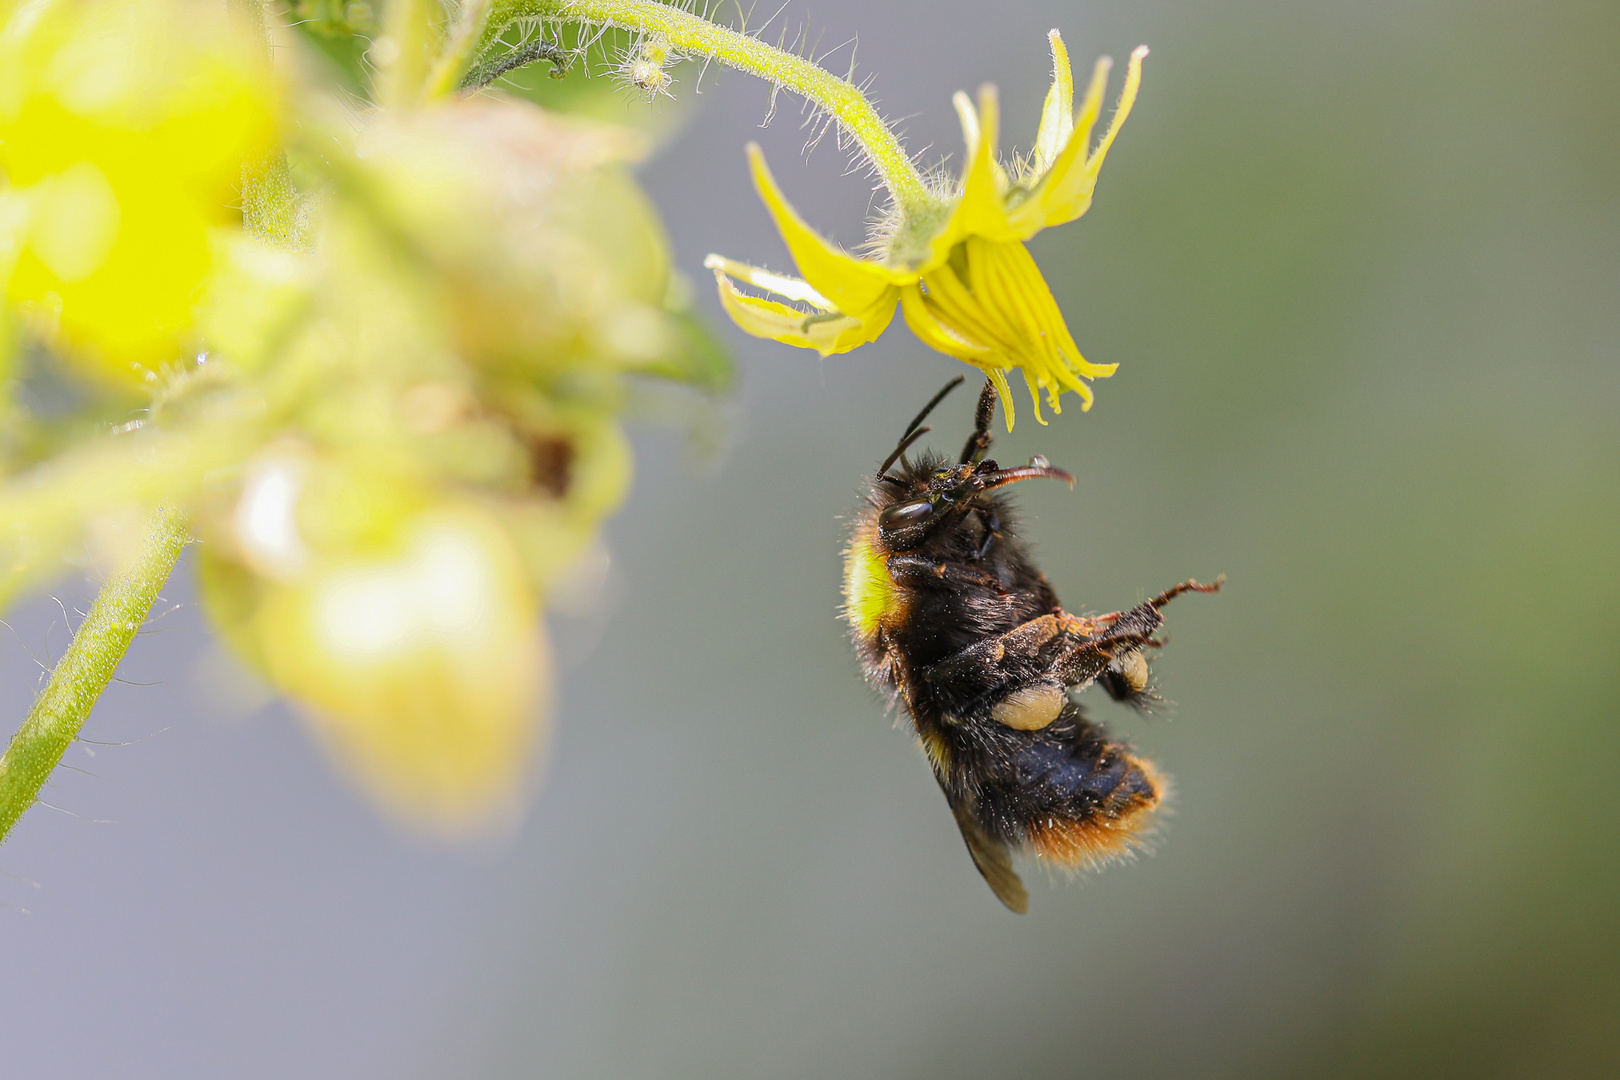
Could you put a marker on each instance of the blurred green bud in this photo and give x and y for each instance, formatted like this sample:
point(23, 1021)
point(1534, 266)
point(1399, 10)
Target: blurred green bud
point(550, 255)
point(398, 434)
point(253, 299)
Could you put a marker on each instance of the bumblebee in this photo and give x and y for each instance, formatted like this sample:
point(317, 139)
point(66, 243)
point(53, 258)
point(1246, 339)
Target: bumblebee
point(953, 622)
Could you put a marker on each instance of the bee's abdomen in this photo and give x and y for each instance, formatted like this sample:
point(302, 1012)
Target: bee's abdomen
point(1072, 796)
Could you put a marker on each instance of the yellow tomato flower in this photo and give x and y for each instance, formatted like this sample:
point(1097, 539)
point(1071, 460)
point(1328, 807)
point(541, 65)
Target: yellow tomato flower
point(959, 270)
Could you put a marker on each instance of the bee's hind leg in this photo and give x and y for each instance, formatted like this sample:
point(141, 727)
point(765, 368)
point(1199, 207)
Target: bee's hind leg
point(1190, 585)
point(1110, 640)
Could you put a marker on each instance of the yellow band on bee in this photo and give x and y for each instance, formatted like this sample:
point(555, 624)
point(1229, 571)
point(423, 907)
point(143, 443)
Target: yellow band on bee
point(869, 593)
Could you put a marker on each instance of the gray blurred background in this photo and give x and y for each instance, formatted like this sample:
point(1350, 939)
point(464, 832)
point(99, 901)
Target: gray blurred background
point(1359, 265)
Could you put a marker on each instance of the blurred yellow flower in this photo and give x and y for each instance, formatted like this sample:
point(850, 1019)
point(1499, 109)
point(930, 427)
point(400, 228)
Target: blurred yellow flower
point(445, 366)
point(959, 270)
point(419, 659)
point(123, 131)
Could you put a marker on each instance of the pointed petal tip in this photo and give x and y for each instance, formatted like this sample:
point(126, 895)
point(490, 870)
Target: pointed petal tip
point(712, 261)
point(1004, 392)
point(1139, 52)
point(969, 118)
point(990, 119)
point(757, 168)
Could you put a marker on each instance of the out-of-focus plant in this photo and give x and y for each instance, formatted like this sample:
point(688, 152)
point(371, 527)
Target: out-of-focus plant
point(384, 394)
point(366, 329)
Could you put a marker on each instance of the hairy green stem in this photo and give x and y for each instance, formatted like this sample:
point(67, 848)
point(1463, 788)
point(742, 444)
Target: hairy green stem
point(269, 210)
point(688, 33)
point(459, 44)
point(87, 666)
point(269, 204)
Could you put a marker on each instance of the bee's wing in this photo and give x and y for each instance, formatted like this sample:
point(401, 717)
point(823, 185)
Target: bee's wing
point(992, 858)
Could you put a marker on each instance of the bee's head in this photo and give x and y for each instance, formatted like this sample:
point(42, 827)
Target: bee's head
point(922, 497)
point(932, 494)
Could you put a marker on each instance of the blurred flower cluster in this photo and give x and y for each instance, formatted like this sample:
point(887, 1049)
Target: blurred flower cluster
point(371, 331)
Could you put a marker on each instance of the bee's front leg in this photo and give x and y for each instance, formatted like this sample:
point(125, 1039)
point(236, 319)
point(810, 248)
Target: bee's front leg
point(920, 572)
point(992, 532)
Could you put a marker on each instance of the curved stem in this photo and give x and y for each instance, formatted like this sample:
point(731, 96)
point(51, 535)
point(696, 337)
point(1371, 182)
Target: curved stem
point(88, 665)
point(691, 34)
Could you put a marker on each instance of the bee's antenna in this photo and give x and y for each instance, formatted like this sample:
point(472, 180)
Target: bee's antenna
point(900, 451)
point(974, 451)
point(915, 430)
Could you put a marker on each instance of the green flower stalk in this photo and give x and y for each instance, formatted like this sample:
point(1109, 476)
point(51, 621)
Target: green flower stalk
point(87, 667)
point(687, 34)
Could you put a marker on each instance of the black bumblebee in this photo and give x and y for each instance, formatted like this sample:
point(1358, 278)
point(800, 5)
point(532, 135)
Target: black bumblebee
point(951, 619)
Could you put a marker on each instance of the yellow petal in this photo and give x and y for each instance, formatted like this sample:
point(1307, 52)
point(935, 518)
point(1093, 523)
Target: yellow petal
point(979, 211)
point(125, 128)
point(1065, 192)
point(1004, 392)
point(780, 284)
point(1127, 99)
point(971, 138)
point(1090, 108)
point(946, 336)
point(970, 124)
point(827, 333)
point(853, 286)
point(1057, 115)
point(993, 309)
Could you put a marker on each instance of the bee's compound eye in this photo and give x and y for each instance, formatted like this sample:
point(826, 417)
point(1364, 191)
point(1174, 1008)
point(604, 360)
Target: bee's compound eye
point(900, 515)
